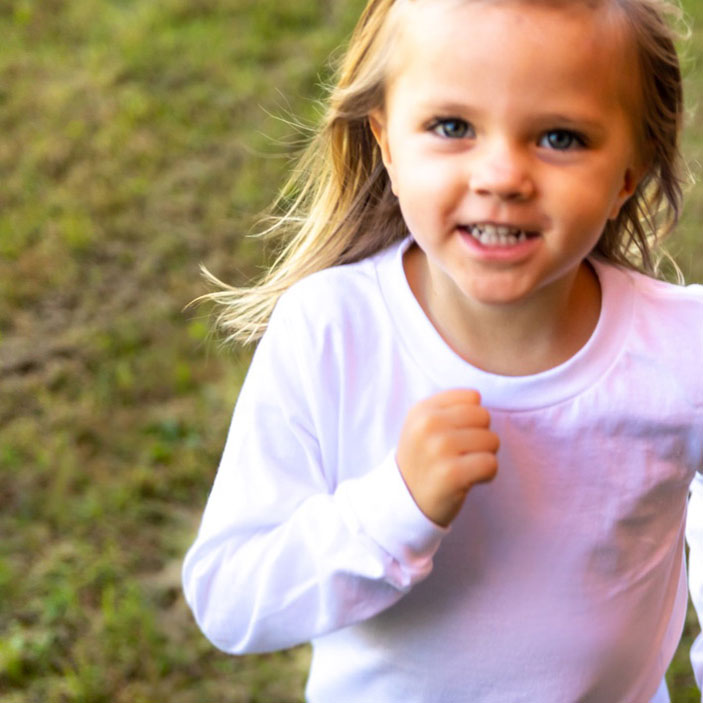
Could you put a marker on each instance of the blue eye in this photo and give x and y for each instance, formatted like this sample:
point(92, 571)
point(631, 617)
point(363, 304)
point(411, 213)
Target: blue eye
point(452, 128)
point(561, 140)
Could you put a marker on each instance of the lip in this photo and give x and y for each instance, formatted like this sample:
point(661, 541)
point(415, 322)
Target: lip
point(500, 252)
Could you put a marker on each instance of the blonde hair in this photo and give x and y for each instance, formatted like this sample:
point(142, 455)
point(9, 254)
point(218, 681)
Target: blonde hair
point(338, 207)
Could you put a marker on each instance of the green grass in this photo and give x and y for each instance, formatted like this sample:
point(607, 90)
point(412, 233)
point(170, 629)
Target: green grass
point(139, 138)
point(137, 141)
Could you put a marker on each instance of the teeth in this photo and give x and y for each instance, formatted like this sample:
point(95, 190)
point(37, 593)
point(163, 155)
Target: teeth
point(496, 235)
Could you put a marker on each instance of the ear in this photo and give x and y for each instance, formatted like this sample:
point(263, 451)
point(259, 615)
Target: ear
point(379, 128)
point(631, 180)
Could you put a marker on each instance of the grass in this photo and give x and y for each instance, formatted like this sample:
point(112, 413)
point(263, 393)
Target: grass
point(138, 138)
point(137, 142)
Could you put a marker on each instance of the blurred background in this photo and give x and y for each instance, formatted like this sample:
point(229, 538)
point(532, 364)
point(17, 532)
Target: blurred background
point(139, 139)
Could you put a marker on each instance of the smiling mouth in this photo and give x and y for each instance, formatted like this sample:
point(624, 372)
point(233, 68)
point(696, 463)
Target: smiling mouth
point(492, 235)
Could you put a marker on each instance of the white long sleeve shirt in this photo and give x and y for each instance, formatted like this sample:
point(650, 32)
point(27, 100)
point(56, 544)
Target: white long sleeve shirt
point(563, 580)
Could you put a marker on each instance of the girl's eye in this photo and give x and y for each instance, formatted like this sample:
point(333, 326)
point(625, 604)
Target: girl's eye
point(452, 128)
point(561, 140)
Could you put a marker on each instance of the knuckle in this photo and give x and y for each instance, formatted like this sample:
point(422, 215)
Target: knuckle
point(418, 421)
point(482, 417)
point(455, 475)
point(492, 466)
point(440, 445)
point(427, 423)
point(485, 440)
point(486, 466)
point(472, 396)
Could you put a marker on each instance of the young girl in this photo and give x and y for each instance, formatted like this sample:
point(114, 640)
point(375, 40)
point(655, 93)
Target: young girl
point(461, 458)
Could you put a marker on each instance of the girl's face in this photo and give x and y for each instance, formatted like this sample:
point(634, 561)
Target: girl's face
point(507, 135)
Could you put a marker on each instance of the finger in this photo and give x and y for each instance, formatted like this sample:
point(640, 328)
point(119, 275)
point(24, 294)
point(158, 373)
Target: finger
point(476, 467)
point(455, 396)
point(474, 441)
point(464, 416)
point(436, 415)
point(466, 441)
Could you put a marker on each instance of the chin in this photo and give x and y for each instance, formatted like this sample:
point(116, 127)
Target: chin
point(496, 294)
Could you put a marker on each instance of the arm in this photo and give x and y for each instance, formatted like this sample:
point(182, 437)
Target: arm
point(284, 552)
point(694, 537)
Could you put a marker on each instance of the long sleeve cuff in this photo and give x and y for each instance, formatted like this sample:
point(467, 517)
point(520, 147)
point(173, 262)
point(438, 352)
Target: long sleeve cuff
point(386, 512)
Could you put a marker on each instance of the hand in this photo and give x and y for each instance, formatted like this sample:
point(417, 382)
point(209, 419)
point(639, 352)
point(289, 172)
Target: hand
point(446, 447)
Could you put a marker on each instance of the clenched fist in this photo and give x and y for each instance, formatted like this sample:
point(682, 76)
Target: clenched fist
point(446, 447)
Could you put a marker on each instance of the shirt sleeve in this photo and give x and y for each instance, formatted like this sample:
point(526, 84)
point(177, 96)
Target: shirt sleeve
point(694, 537)
point(694, 521)
point(285, 553)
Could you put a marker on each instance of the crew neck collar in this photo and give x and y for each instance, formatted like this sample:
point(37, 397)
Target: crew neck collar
point(448, 370)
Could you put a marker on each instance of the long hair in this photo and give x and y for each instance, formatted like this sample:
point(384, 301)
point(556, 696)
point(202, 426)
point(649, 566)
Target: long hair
point(337, 206)
point(633, 238)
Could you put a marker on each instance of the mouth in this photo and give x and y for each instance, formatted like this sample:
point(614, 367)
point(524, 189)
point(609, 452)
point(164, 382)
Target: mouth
point(493, 235)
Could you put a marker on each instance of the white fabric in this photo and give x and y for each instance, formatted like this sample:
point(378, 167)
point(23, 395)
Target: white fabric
point(694, 535)
point(562, 580)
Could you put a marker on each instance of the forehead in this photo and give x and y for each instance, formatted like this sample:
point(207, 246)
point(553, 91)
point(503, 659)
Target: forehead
point(584, 41)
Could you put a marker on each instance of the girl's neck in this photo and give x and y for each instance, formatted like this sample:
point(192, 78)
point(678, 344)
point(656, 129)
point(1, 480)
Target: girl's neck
point(517, 339)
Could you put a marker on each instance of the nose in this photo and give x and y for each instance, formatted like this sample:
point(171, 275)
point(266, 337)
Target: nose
point(500, 170)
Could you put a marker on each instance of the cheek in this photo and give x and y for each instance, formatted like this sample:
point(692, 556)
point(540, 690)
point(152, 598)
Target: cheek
point(423, 183)
point(426, 208)
point(586, 199)
point(416, 219)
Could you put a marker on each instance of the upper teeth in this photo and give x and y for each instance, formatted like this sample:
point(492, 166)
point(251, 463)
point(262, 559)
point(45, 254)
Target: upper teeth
point(497, 235)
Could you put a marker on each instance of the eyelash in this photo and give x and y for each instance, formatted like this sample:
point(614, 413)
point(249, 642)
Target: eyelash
point(576, 140)
point(439, 127)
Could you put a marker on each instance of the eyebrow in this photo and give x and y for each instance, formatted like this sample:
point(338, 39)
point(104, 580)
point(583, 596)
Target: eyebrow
point(448, 108)
point(570, 121)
